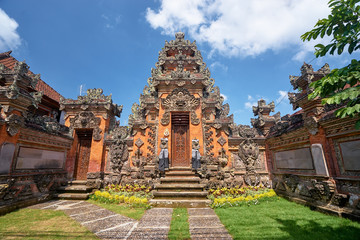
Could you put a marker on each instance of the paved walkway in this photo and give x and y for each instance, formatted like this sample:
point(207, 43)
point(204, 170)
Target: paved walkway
point(155, 223)
point(205, 224)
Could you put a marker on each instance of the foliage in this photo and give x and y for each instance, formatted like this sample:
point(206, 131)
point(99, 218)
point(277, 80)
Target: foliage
point(179, 228)
point(123, 209)
point(136, 196)
point(341, 85)
point(282, 219)
point(41, 224)
point(230, 197)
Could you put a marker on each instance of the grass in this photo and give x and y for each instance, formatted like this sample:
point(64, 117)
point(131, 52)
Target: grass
point(41, 224)
point(282, 219)
point(179, 228)
point(131, 212)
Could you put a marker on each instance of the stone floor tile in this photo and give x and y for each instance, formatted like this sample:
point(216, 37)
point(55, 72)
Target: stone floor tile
point(106, 222)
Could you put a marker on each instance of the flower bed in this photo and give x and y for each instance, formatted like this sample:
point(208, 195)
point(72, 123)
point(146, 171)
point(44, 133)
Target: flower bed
point(230, 197)
point(134, 195)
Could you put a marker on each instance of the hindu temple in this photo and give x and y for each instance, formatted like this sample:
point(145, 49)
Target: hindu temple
point(180, 139)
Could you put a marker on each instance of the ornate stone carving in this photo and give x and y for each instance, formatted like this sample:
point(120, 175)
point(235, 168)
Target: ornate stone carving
point(93, 95)
point(180, 100)
point(194, 119)
point(165, 120)
point(208, 140)
point(139, 142)
point(46, 123)
point(151, 155)
point(12, 91)
point(86, 120)
point(221, 141)
point(37, 98)
point(223, 158)
point(246, 131)
point(118, 149)
point(249, 153)
point(137, 113)
point(14, 123)
point(311, 123)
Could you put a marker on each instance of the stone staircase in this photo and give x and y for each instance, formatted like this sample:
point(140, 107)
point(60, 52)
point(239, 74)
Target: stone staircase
point(180, 188)
point(75, 190)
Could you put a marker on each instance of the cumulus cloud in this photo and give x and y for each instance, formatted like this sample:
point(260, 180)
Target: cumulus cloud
point(241, 27)
point(251, 102)
point(9, 38)
point(218, 65)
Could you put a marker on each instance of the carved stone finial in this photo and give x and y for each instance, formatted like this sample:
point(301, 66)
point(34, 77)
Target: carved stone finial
point(179, 36)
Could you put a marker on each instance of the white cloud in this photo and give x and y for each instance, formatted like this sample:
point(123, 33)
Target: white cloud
point(218, 65)
point(241, 27)
point(250, 103)
point(224, 96)
point(9, 38)
point(283, 95)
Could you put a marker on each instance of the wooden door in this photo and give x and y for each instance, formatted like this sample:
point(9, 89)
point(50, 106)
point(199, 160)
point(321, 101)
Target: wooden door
point(83, 154)
point(180, 145)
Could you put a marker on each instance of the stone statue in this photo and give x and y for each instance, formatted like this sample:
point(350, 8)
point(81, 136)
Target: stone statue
point(164, 155)
point(195, 155)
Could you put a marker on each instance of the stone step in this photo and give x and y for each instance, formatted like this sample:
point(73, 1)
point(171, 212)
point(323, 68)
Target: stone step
point(180, 173)
point(180, 180)
point(75, 189)
point(179, 187)
point(182, 195)
point(175, 203)
point(77, 182)
point(180, 169)
point(72, 196)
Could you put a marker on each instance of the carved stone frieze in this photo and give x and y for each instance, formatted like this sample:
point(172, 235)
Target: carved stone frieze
point(180, 100)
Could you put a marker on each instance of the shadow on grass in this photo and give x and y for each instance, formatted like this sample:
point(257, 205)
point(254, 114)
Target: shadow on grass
point(310, 229)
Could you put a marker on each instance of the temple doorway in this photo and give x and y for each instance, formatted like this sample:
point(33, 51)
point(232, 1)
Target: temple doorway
point(180, 145)
point(82, 153)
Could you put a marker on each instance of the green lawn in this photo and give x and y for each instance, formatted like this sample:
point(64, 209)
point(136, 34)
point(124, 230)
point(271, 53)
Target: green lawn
point(179, 228)
point(131, 212)
point(281, 219)
point(41, 224)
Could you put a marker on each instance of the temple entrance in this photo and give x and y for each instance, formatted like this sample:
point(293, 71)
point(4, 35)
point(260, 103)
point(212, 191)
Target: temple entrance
point(180, 145)
point(82, 153)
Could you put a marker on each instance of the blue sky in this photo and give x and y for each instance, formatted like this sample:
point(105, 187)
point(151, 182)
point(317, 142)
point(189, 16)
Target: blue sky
point(250, 47)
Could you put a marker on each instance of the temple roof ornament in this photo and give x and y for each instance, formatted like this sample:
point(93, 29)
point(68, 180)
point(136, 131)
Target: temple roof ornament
point(93, 99)
point(264, 121)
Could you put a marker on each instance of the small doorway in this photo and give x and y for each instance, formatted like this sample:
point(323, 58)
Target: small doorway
point(82, 153)
point(180, 145)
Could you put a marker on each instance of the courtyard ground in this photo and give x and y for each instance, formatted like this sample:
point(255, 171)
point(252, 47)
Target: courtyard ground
point(278, 219)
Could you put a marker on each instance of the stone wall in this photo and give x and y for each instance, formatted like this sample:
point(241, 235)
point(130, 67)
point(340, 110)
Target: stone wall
point(313, 156)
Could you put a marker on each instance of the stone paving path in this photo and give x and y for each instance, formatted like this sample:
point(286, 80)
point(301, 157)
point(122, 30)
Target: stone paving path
point(155, 223)
point(205, 224)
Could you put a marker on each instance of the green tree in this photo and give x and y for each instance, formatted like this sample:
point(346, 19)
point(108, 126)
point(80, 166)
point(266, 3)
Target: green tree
point(341, 85)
